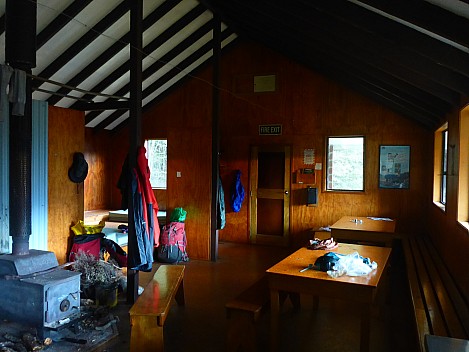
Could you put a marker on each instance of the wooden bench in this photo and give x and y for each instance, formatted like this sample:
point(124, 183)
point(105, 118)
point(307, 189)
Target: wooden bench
point(439, 307)
point(243, 312)
point(148, 314)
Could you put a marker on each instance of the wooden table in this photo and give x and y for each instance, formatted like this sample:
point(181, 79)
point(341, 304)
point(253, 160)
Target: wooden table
point(286, 276)
point(362, 228)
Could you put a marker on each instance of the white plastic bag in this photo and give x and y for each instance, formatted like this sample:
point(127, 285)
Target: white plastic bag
point(352, 265)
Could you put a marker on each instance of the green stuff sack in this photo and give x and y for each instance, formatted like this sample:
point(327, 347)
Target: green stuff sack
point(178, 215)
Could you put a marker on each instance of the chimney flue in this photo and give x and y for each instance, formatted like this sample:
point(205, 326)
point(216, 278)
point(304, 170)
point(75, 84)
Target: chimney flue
point(20, 53)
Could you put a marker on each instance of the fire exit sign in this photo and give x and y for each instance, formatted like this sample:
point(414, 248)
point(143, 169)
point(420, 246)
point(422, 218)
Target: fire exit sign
point(272, 130)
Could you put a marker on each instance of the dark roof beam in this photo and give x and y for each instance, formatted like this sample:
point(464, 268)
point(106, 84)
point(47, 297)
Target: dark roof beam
point(60, 21)
point(101, 106)
point(170, 74)
point(404, 37)
point(427, 16)
point(308, 24)
point(310, 49)
point(355, 78)
point(179, 83)
point(149, 48)
point(372, 50)
point(375, 81)
point(170, 55)
point(120, 44)
point(83, 42)
point(2, 24)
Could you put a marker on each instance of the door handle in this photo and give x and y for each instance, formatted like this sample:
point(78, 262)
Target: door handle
point(286, 192)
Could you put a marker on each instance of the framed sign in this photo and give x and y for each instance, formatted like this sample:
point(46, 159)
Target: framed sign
point(394, 166)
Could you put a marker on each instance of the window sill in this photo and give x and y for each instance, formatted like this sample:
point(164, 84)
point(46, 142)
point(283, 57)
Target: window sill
point(464, 224)
point(441, 206)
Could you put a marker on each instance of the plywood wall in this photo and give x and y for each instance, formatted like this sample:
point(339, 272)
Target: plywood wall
point(309, 107)
point(98, 182)
point(185, 120)
point(450, 237)
point(66, 136)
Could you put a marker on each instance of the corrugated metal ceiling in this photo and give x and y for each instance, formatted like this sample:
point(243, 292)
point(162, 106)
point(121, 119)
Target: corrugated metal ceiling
point(411, 56)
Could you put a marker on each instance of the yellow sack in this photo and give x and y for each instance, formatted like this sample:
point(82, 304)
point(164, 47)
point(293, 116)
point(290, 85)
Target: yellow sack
point(81, 229)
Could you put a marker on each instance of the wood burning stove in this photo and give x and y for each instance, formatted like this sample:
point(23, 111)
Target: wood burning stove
point(37, 292)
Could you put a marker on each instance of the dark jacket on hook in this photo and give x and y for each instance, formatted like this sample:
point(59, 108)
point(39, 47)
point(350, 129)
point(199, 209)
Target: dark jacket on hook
point(145, 210)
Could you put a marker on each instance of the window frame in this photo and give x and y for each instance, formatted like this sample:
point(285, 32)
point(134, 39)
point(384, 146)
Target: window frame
point(328, 169)
point(444, 167)
point(148, 155)
point(437, 166)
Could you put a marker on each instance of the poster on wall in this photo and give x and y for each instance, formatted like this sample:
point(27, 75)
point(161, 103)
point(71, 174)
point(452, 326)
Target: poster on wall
point(394, 166)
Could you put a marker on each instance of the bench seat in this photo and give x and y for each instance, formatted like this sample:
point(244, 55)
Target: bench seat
point(148, 314)
point(243, 312)
point(439, 307)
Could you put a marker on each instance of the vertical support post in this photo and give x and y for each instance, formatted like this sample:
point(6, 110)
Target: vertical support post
point(215, 137)
point(136, 18)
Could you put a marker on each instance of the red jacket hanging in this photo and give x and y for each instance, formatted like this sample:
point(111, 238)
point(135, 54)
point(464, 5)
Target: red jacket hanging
point(145, 210)
point(150, 211)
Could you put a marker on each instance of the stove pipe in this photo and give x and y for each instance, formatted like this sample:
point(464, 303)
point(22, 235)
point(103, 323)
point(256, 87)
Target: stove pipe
point(20, 53)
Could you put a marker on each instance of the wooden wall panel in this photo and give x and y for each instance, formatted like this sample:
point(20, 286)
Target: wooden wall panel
point(450, 237)
point(98, 183)
point(160, 195)
point(184, 118)
point(309, 107)
point(119, 144)
point(66, 199)
point(191, 191)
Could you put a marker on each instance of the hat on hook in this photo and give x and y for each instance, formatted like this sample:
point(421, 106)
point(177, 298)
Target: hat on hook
point(79, 169)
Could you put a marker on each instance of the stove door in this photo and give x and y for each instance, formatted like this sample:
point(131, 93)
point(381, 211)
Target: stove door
point(62, 300)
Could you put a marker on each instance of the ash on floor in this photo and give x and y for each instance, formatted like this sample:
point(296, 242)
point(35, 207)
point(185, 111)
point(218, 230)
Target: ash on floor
point(93, 329)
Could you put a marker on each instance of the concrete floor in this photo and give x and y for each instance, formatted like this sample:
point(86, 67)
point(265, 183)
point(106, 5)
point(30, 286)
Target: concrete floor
point(201, 325)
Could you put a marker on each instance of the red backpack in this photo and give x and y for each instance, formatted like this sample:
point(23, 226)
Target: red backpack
point(90, 244)
point(172, 247)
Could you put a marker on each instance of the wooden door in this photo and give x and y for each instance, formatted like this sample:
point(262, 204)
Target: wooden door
point(270, 195)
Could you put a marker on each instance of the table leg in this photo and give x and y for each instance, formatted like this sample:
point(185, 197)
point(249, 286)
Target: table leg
point(274, 319)
point(315, 304)
point(365, 328)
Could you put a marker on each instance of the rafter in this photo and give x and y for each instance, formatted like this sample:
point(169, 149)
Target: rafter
point(83, 42)
point(430, 17)
point(168, 57)
point(120, 44)
point(182, 66)
point(60, 21)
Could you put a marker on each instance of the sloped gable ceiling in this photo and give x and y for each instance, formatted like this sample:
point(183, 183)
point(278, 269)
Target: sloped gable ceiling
point(83, 53)
point(411, 56)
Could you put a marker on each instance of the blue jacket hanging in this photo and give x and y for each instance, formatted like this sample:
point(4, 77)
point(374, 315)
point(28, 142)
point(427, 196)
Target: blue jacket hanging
point(237, 193)
point(221, 220)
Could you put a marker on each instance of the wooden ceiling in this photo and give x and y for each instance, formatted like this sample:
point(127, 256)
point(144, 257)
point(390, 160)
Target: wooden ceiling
point(411, 56)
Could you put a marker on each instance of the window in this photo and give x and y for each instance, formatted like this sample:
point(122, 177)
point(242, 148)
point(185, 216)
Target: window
point(440, 171)
point(157, 161)
point(345, 163)
point(444, 166)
